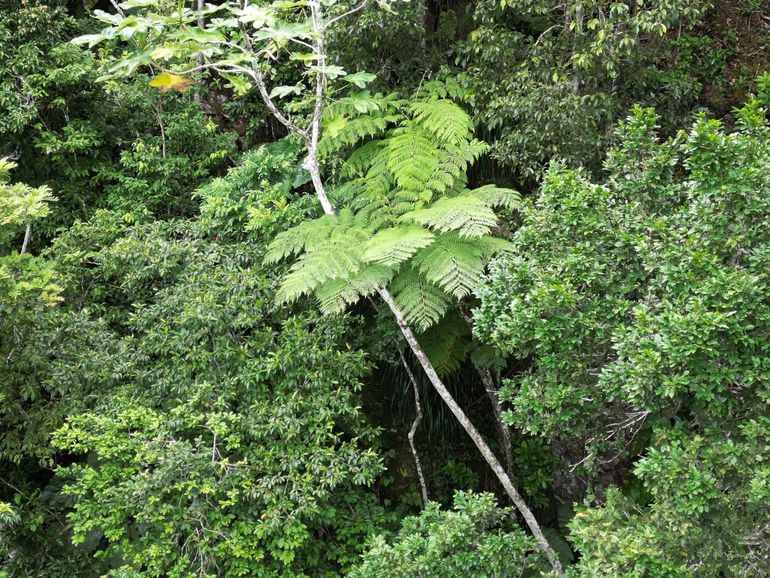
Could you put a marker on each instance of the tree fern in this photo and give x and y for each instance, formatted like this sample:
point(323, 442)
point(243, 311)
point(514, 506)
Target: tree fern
point(493, 196)
point(412, 158)
point(334, 296)
point(422, 303)
point(447, 343)
point(349, 120)
point(342, 132)
point(450, 172)
point(407, 218)
point(338, 257)
point(300, 238)
point(446, 121)
point(491, 246)
point(467, 215)
point(453, 263)
point(395, 245)
point(360, 159)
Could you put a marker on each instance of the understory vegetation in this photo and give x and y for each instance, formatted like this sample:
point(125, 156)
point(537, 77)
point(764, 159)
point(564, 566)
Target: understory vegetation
point(384, 289)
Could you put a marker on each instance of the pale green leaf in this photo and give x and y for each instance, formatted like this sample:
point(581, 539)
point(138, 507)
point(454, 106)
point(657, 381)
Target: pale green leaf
point(395, 245)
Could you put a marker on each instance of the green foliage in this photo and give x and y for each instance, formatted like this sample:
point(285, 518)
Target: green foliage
point(243, 423)
point(20, 204)
point(96, 144)
point(161, 416)
point(471, 540)
point(643, 300)
point(550, 78)
point(394, 191)
point(202, 416)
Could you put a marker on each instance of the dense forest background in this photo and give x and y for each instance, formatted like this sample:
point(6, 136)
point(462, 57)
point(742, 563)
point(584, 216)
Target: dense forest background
point(565, 204)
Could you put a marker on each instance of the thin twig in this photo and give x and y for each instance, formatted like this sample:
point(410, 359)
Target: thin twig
point(346, 14)
point(413, 430)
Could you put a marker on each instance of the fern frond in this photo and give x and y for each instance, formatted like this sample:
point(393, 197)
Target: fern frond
point(348, 192)
point(379, 180)
point(453, 164)
point(335, 295)
point(454, 264)
point(422, 303)
point(442, 118)
point(395, 245)
point(493, 196)
point(447, 343)
point(348, 132)
point(297, 239)
point(483, 355)
point(337, 257)
point(491, 246)
point(361, 159)
point(469, 216)
point(450, 87)
point(412, 158)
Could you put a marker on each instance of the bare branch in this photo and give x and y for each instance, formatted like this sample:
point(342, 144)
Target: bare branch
point(471, 430)
point(413, 429)
point(346, 14)
point(117, 8)
point(259, 81)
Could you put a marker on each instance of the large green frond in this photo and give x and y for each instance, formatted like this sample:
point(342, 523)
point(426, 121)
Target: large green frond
point(344, 132)
point(361, 159)
point(422, 303)
point(454, 161)
point(412, 158)
point(468, 216)
point(337, 257)
point(299, 238)
point(446, 121)
point(454, 264)
point(491, 246)
point(447, 343)
point(493, 196)
point(395, 245)
point(335, 295)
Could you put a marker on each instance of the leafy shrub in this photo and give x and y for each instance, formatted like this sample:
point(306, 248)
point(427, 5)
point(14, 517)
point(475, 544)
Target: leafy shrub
point(471, 540)
point(643, 300)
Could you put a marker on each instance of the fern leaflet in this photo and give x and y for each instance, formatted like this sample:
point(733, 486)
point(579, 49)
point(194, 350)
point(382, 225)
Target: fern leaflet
point(395, 245)
point(447, 343)
point(335, 295)
point(422, 303)
point(446, 121)
point(337, 257)
point(297, 239)
point(469, 216)
point(454, 264)
point(493, 196)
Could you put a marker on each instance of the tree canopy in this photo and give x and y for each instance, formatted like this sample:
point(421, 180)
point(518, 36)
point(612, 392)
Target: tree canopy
point(384, 289)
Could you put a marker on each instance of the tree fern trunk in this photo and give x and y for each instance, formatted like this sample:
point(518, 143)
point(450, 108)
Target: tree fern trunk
point(471, 430)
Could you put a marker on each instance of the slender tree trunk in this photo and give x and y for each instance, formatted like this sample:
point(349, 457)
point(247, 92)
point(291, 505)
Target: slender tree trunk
point(311, 162)
point(198, 96)
point(413, 430)
point(25, 242)
point(493, 391)
point(471, 430)
point(503, 433)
